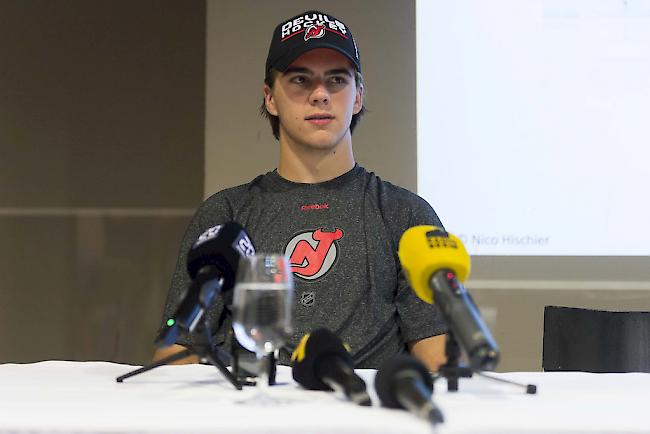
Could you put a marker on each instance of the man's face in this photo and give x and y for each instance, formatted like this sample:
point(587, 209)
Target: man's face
point(315, 99)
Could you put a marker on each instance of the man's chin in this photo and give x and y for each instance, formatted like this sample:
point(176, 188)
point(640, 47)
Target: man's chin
point(319, 141)
point(324, 146)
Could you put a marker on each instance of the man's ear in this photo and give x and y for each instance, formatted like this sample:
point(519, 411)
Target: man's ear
point(358, 100)
point(269, 102)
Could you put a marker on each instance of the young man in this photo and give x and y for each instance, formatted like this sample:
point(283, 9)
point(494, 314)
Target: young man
point(339, 224)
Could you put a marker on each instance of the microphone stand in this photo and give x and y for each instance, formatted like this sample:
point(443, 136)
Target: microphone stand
point(205, 350)
point(453, 370)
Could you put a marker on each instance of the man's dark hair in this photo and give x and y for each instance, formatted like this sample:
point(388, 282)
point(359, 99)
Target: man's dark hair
point(275, 121)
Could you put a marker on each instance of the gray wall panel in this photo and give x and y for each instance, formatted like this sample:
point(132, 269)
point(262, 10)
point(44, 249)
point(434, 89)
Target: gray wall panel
point(101, 165)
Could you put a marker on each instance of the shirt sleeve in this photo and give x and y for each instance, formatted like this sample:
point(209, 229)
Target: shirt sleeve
point(214, 211)
point(417, 319)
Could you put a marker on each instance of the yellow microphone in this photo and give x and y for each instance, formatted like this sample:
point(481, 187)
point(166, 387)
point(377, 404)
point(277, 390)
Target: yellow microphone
point(424, 250)
point(436, 263)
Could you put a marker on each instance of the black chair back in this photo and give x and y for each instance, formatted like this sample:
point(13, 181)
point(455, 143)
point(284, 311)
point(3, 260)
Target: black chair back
point(595, 341)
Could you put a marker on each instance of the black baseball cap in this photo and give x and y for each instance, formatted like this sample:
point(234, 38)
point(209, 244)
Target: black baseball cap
point(307, 31)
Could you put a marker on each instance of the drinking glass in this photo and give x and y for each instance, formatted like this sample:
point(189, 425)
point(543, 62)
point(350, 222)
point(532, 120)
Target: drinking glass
point(262, 309)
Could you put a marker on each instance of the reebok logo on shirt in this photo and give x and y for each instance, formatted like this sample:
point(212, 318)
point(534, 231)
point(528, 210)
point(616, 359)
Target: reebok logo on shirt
point(313, 253)
point(314, 206)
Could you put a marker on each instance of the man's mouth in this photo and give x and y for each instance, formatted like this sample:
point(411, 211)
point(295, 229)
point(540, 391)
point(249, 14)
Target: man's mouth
point(319, 118)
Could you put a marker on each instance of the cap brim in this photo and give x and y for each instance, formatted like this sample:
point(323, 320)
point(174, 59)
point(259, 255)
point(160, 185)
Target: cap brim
point(284, 62)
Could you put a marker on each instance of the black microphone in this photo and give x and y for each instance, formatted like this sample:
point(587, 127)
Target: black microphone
point(212, 263)
point(404, 382)
point(465, 320)
point(321, 362)
point(436, 263)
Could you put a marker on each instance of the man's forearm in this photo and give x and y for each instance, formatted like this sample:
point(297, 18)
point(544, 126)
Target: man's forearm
point(173, 349)
point(430, 351)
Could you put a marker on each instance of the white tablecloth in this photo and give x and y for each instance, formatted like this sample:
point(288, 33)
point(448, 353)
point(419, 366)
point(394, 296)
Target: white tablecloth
point(83, 397)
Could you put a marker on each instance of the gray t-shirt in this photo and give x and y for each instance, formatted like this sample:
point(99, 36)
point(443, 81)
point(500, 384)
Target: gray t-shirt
point(342, 237)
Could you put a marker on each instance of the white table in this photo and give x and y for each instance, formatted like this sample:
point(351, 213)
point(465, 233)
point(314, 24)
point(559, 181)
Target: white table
point(83, 397)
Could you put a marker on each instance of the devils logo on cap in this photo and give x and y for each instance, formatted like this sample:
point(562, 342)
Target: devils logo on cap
point(315, 31)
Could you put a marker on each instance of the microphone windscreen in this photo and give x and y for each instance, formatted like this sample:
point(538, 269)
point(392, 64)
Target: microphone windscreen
point(423, 250)
point(220, 246)
point(401, 366)
point(315, 348)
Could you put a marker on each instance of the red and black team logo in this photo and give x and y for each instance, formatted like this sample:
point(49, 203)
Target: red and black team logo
point(315, 31)
point(313, 253)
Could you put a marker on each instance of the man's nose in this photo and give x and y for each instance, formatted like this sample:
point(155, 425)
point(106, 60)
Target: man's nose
point(320, 95)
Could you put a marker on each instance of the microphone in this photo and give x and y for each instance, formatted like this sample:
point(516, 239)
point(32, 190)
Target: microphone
point(212, 263)
point(321, 362)
point(435, 263)
point(404, 382)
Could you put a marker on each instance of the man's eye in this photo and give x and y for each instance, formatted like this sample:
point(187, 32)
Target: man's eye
point(299, 79)
point(337, 80)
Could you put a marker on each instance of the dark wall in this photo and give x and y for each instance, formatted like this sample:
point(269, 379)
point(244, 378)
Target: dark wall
point(101, 165)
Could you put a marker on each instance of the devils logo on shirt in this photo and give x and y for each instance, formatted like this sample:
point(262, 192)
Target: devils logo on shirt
point(313, 253)
point(315, 31)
